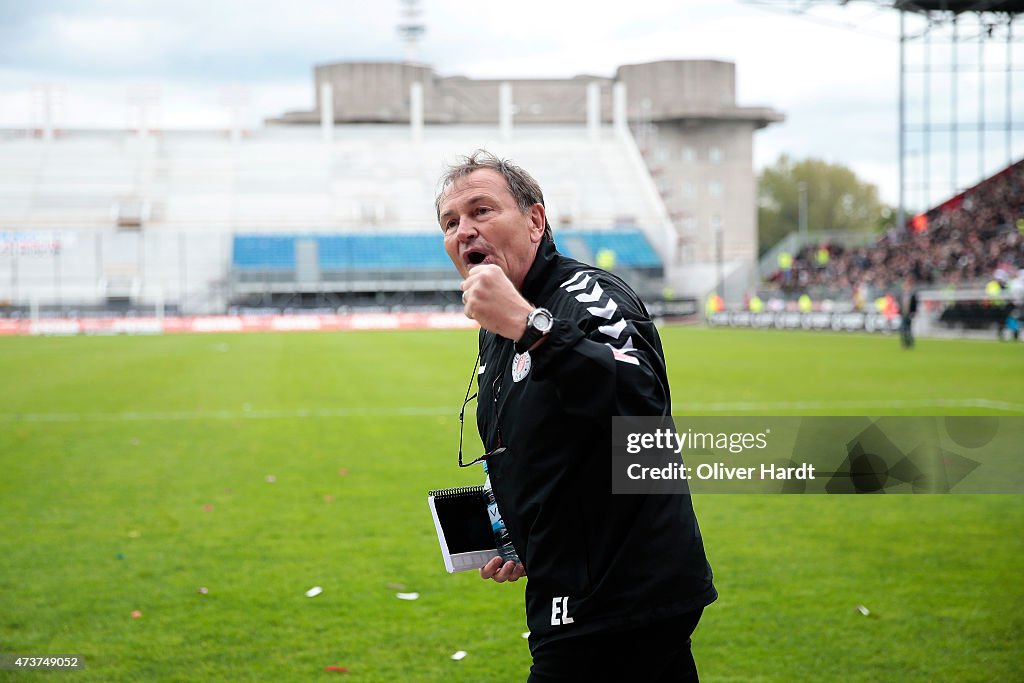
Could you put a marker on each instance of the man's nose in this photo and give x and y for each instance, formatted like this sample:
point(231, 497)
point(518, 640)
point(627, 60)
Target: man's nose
point(466, 229)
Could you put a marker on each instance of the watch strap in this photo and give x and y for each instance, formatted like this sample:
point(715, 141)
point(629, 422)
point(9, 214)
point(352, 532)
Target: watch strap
point(529, 338)
point(533, 333)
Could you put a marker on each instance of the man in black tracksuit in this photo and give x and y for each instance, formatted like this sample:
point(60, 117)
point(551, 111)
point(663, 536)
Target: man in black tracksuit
point(563, 348)
point(908, 308)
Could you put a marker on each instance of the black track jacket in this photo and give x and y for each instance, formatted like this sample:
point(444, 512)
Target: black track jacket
point(594, 561)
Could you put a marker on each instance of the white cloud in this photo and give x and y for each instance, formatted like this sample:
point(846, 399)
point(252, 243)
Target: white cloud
point(108, 42)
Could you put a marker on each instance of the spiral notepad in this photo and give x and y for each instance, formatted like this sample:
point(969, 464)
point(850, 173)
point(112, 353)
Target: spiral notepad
point(463, 527)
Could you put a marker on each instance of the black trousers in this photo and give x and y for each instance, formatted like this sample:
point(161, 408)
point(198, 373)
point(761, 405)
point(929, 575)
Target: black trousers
point(656, 653)
point(907, 331)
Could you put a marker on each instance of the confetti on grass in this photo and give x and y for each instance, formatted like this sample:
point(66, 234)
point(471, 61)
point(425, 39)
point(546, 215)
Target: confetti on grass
point(459, 655)
point(335, 667)
point(314, 591)
point(407, 596)
point(866, 612)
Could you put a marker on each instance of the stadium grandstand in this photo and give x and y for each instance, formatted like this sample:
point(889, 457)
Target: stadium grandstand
point(965, 256)
point(964, 242)
point(332, 209)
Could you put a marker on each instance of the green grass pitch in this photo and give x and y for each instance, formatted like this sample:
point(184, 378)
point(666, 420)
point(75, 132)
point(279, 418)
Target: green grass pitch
point(134, 470)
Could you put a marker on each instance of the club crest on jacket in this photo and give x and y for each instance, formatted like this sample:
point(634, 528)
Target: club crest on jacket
point(521, 366)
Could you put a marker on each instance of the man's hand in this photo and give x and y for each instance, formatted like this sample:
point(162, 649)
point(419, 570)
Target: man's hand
point(502, 571)
point(492, 300)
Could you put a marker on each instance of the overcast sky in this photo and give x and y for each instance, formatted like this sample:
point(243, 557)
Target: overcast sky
point(832, 71)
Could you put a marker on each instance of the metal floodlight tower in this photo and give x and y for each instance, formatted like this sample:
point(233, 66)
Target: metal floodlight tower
point(957, 90)
point(411, 28)
point(961, 66)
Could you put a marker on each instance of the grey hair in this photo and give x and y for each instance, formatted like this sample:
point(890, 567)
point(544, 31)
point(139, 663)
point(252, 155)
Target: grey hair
point(523, 187)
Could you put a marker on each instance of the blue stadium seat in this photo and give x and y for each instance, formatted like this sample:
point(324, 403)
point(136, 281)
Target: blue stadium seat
point(632, 250)
point(383, 251)
point(342, 252)
point(263, 252)
point(419, 251)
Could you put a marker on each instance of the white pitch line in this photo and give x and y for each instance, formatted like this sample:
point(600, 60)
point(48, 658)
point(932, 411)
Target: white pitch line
point(427, 411)
point(184, 415)
point(847, 405)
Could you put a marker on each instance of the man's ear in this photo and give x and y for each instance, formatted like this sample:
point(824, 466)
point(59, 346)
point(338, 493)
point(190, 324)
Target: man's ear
point(538, 219)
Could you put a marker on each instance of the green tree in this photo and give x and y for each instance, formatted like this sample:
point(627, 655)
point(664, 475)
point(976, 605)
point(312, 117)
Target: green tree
point(837, 200)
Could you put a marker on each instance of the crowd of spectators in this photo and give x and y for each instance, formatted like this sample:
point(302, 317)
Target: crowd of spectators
point(971, 239)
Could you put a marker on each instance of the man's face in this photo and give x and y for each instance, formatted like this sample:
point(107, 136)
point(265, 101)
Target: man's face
point(483, 224)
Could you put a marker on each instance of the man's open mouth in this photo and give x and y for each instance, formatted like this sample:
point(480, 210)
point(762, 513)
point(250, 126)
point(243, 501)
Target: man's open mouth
point(475, 258)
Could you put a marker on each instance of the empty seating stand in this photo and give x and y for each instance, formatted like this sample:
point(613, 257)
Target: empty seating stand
point(394, 261)
point(629, 246)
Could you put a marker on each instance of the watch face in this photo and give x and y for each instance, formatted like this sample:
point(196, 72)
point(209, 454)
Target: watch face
point(542, 320)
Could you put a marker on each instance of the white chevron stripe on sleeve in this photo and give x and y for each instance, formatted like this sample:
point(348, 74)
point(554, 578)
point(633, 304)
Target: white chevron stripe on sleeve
point(615, 330)
point(573, 279)
point(582, 284)
point(607, 311)
point(622, 354)
point(595, 294)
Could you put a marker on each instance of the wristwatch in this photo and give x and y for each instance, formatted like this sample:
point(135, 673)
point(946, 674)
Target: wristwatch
point(538, 324)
